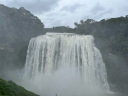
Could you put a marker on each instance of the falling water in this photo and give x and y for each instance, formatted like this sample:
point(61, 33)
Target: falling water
point(55, 51)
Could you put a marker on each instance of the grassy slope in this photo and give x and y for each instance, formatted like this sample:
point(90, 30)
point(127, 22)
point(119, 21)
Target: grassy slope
point(9, 88)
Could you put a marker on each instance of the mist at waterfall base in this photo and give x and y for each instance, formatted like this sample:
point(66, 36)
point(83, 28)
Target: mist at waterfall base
point(63, 83)
point(65, 64)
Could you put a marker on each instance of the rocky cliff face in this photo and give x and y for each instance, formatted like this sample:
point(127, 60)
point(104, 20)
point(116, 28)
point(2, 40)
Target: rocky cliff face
point(17, 27)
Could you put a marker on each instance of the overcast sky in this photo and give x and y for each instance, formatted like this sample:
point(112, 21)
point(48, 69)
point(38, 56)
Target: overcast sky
point(66, 12)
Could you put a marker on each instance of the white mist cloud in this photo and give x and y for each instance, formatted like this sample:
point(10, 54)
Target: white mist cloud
point(64, 82)
point(66, 12)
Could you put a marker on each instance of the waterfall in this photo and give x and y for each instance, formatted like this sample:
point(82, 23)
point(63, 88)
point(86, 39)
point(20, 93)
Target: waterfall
point(53, 51)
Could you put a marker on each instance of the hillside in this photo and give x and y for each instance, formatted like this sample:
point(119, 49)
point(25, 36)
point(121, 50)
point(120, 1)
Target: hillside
point(17, 27)
point(9, 88)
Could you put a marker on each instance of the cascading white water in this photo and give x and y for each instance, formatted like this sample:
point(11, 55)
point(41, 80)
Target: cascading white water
point(53, 51)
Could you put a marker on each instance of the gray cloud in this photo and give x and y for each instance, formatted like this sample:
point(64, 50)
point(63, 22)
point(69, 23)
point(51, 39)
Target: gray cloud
point(98, 11)
point(97, 8)
point(102, 14)
point(72, 8)
point(35, 6)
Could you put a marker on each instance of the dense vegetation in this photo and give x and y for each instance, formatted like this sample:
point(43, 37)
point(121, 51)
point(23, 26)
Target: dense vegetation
point(9, 88)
